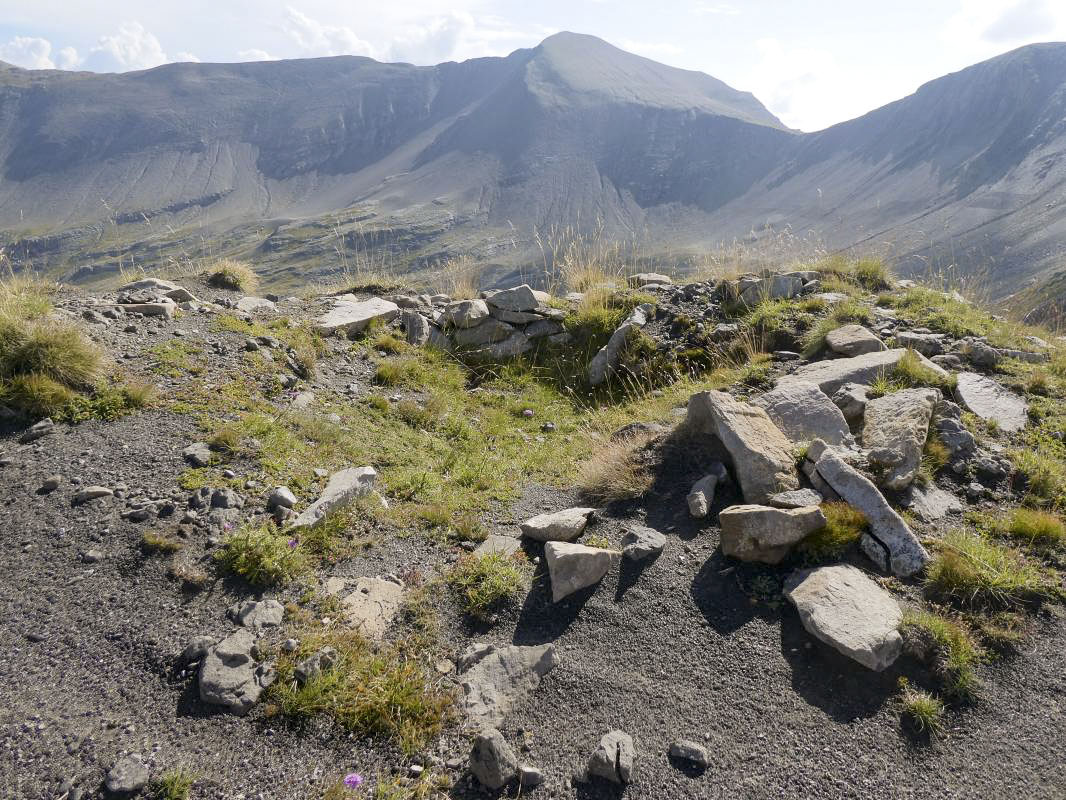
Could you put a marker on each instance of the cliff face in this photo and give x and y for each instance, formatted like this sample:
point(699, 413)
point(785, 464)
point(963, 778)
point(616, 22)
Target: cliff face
point(573, 133)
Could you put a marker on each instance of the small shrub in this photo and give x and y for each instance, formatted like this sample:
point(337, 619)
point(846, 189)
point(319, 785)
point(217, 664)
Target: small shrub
point(467, 527)
point(949, 647)
point(844, 525)
point(388, 342)
point(262, 556)
point(236, 276)
point(53, 349)
point(602, 542)
point(486, 582)
point(972, 570)
point(921, 712)
point(175, 784)
point(155, 542)
point(377, 402)
point(616, 472)
point(372, 692)
point(935, 456)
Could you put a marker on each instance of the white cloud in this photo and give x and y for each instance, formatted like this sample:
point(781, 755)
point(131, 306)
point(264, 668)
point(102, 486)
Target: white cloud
point(68, 58)
point(187, 57)
point(715, 9)
point(132, 47)
point(983, 28)
point(797, 84)
point(28, 52)
point(255, 54)
point(316, 38)
point(459, 35)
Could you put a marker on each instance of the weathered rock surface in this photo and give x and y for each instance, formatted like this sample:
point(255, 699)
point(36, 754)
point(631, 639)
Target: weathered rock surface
point(761, 454)
point(989, 400)
point(466, 313)
point(492, 761)
point(930, 503)
point(690, 751)
point(928, 344)
point(894, 430)
point(198, 454)
point(832, 374)
point(519, 298)
point(853, 340)
point(797, 498)
point(498, 544)
point(128, 775)
point(762, 533)
point(614, 758)
point(842, 607)
point(351, 315)
point(604, 362)
point(372, 606)
point(321, 661)
point(557, 526)
point(487, 332)
point(701, 496)
point(229, 675)
point(573, 567)
point(803, 412)
point(495, 679)
point(258, 614)
point(640, 542)
point(343, 488)
point(851, 399)
point(890, 543)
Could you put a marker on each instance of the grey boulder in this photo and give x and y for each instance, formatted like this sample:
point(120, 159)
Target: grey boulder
point(853, 340)
point(557, 526)
point(803, 412)
point(495, 679)
point(342, 489)
point(126, 776)
point(574, 567)
point(614, 758)
point(762, 533)
point(492, 761)
point(640, 543)
point(229, 675)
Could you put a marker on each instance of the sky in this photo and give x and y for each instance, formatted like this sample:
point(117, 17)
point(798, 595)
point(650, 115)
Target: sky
point(812, 63)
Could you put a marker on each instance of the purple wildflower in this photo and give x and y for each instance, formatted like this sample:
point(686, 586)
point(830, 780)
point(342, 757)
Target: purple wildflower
point(292, 546)
point(353, 780)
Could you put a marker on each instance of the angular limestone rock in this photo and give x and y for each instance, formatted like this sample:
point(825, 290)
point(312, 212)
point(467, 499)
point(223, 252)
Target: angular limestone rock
point(343, 488)
point(865, 369)
point(762, 533)
point(614, 758)
point(988, 400)
point(466, 313)
point(604, 361)
point(897, 424)
point(853, 340)
point(372, 606)
point(229, 675)
point(351, 315)
point(890, 543)
point(573, 567)
point(557, 526)
point(492, 761)
point(761, 455)
point(495, 679)
point(803, 412)
point(842, 607)
point(519, 298)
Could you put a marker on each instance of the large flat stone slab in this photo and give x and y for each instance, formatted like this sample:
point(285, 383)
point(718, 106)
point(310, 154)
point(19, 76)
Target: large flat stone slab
point(761, 454)
point(853, 340)
point(988, 400)
point(350, 315)
point(495, 679)
point(830, 375)
point(890, 543)
point(765, 534)
point(804, 412)
point(371, 607)
point(842, 607)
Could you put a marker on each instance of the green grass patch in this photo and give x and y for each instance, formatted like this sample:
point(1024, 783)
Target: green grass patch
point(911, 372)
point(174, 784)
point(262, 555)
point(972, 570)
point(846, 312)
point(844, 525)
point(236, 276)
point(949, 648)
point(484, 583)
point(921, 712)
point(1036, 529)
point(155, 542)
point(377, 692)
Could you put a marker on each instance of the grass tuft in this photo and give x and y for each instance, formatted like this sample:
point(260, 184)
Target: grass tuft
point(155, 542)
point(262, 555)
point(844, 525)
point(973, 570)
point(921, 712)
point(485, 582)
point(616, 471)
point(1037, 529)
point(174, 784)
point(949, 647)
point(236, 276)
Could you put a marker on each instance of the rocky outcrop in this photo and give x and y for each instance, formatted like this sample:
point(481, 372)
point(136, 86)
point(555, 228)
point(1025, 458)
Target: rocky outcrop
point(842, 607)
point(832, 374)
point(989, 400)
point(351, 315)
point(761, 455)
point(803, 413)
point(894, 431)
point(853, 340)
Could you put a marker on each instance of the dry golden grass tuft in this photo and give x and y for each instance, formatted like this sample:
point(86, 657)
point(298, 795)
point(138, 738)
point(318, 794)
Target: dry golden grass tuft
point(617, 471)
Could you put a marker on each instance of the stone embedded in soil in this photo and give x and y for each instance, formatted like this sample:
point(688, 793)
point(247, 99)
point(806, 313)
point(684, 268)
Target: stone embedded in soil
point(760, 452)
point(372, 606)
point(494, 679)
point(198, 454)
point(351, 315)
point(989, 400)
point(38, 430)
point(898, 423)
point(529, 776)
point(258, 614)
point(492, 761)
point(229, 675)
point(830, 375)
point(690, 751)
point(640, 543)
point(126, 776)
point(603, 363)
point(466, 313)
point(498, 544)
point(574, 567)
point(842, 607)
point(644, 278)
point(518, 298)
point(342, 489)
point(557, 526)
point(930, 503)
point(281, 497)
point(254, 305)
point(765, 534)
point(803, 412)
point(796, 499)
point(890, 543)
point(614, 758)
point(91, 493)
point(928, 344)
point(700, 497)
point(853, 340)
point(321, 661)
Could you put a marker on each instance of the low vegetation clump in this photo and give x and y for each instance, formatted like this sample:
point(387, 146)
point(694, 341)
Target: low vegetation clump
point(844, 526)
point(949, 648)
point(846, 312)
point(870, 273)
point(910, 372)
point(1042, 474)
point(616, 471)
point(1036, 529)
point(485, 582)
point(377, 692)
point(262, 555)
point(922, 713)
point(972, 570)
point(155, 542)
point(175, 784)
point(236, 276)
point(935, 456)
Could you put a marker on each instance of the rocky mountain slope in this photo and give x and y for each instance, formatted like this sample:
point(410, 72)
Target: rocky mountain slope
point(307, 164)
point(707, 539)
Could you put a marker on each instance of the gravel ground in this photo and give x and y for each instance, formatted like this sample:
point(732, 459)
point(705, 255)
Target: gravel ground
point(685, 647)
